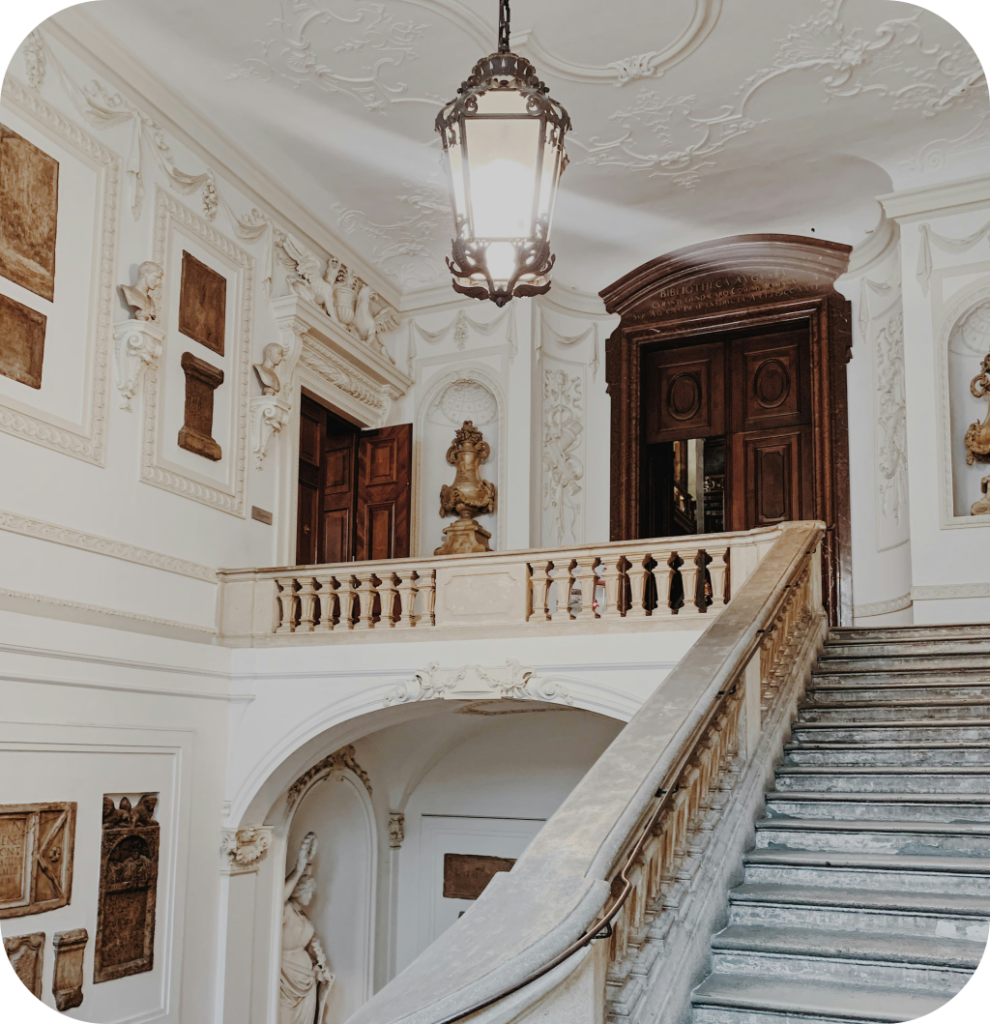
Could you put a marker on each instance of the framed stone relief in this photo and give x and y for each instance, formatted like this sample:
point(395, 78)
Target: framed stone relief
point(22, 342)
point(125, 927)
point(26, 954)
point(202, 303)
point(36, 849)
point(465, 875)
point(43, 151)
point(214, 304)
point(67, 974)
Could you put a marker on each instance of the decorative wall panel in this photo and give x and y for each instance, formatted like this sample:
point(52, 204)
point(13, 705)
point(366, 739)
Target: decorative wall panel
point(125, 930)
point(67, 975)
point(27, 956)
point(36, 849)
point(202, 380)
point(28, 214)
point(465, 875)
point(202, 303)
point(22, 342)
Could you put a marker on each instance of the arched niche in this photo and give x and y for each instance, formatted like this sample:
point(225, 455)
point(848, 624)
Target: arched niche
point(963, 344)
point(471, 392)
point(696, 301)
point(336, 805)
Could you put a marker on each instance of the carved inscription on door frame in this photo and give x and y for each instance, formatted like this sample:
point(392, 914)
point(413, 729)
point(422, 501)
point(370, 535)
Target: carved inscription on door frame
point(125, 927)
point(466, 875)
point(28, 214)
point(26, 954)
point(202, 303)
point(36, 848)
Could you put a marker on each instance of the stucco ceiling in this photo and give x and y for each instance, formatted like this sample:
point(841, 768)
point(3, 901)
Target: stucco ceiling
point(692, 118)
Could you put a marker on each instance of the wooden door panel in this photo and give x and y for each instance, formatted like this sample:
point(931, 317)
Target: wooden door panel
point(770, 478)
point(384, 493)
point(308, 516)
point(338, 475)
point(684, 393)
point(770, 376)
point(336, 539)
point(311, 416)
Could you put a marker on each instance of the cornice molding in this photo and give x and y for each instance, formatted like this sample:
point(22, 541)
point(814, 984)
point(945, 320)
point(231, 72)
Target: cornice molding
point(948, 197)
point(44, 530)
point(77, 31)
point(950, 591)
point(895, 604)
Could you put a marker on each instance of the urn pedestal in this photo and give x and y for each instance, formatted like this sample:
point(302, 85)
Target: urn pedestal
point(464, 536)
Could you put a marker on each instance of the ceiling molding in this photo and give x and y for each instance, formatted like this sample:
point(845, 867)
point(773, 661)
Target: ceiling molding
point(945, 198)
point(109, 57)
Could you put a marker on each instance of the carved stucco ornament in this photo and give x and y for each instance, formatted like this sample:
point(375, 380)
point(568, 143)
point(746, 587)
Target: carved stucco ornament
point(138, 342)
point(469, 495)
point(978, 435)
point(243, 850)
point(340, 760)
point(478, 683)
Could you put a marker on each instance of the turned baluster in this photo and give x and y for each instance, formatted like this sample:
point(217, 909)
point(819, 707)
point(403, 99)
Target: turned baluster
point(587, 580)
point(540, 591)
point(564, 579)
point(614, 579)
point(286, 604)
point(307, 604)
point(366, 599)
point(348, 602)
point(388, 594)
point(327, 598)
point(689, 578)
point(718, 569)
point(637, 573)
point(407, 590)
point(428, 586)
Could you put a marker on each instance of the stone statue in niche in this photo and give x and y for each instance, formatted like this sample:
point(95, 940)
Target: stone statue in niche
point(469, 495)
point(125, 924)
point(26, 954)
point(145, 297)
point(305, 980)
point(265, 370)
point(978, 435)
point(36, 849)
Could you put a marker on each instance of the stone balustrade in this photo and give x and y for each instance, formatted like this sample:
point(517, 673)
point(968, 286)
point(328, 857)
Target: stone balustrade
point(628, 584)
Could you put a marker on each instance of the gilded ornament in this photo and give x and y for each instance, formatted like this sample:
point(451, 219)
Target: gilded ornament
point(978, 435)
point(469, 495)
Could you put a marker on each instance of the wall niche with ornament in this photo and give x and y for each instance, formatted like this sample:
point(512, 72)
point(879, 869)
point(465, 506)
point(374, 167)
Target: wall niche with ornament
point(727, 375)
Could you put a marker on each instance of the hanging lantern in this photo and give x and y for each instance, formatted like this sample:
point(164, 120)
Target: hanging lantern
point(503, 144)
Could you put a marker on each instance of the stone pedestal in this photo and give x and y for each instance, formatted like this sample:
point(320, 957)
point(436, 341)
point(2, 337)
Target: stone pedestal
point(462, 537)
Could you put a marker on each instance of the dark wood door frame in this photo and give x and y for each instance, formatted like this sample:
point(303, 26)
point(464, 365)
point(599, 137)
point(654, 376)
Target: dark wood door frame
point(743, 282)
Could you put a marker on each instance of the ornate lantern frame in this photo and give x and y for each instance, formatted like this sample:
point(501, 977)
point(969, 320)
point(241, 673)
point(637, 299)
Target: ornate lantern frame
point(503, 72)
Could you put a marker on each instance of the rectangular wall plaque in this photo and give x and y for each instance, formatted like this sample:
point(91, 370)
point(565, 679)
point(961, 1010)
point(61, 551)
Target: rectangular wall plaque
point(28, 214)
point(67, 974)
point(26, 954)
point(196, 434)
point(262, 515)
point(202, 303)
point(22, 342)
point(125, 926)
point(36, 847)
point(465, 875)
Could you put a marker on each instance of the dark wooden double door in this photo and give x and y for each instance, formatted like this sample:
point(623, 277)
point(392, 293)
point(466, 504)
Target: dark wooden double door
point(355, 489)
point(748, 394)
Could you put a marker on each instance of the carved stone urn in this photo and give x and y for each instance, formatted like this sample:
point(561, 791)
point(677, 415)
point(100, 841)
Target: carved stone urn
point(469, 495)
point(978, 435)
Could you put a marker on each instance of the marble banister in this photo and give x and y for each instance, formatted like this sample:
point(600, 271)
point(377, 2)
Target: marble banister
point(668, 582)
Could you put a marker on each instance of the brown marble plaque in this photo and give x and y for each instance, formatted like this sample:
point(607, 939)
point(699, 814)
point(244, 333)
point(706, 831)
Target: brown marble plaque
point(202, 303)
point(196, 434)
point(36, 846)
point(465, 875)
point(125, 927)
point(28, 214)
point(22, 342)
point(67, 974)
point(26, 954)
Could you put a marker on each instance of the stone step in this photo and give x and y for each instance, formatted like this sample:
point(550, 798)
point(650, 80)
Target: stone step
point(938, 665)
point(890, 837)
point(949, 647)
point(943, 731)
point(826, 755)
point(868, 634)
point(943, 915)
point(911, 695)
point(823, 959)
point(824, 674)
point(950, 781)
point(867, 807)
point(896, 711)
point(744, 999)
point(933, 875)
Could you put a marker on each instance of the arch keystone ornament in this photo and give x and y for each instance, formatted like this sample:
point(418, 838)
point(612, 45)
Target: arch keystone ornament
point(503, 146)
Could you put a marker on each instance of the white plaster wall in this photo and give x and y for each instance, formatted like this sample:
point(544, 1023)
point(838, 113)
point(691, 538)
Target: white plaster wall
point(91, 711)
point(949, 554)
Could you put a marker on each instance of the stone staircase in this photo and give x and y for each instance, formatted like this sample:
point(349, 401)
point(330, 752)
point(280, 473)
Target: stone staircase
point(867, 896)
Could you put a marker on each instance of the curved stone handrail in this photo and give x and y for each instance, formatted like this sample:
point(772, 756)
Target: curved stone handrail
point(560, 885)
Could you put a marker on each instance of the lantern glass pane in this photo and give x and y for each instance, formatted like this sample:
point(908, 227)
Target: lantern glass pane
point(456, 165)
point(502, 156)
point(550, 172)
point(502, 101)
point(501, 258)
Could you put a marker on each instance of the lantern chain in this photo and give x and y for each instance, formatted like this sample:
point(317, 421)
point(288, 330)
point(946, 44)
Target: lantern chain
point(503, 26)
